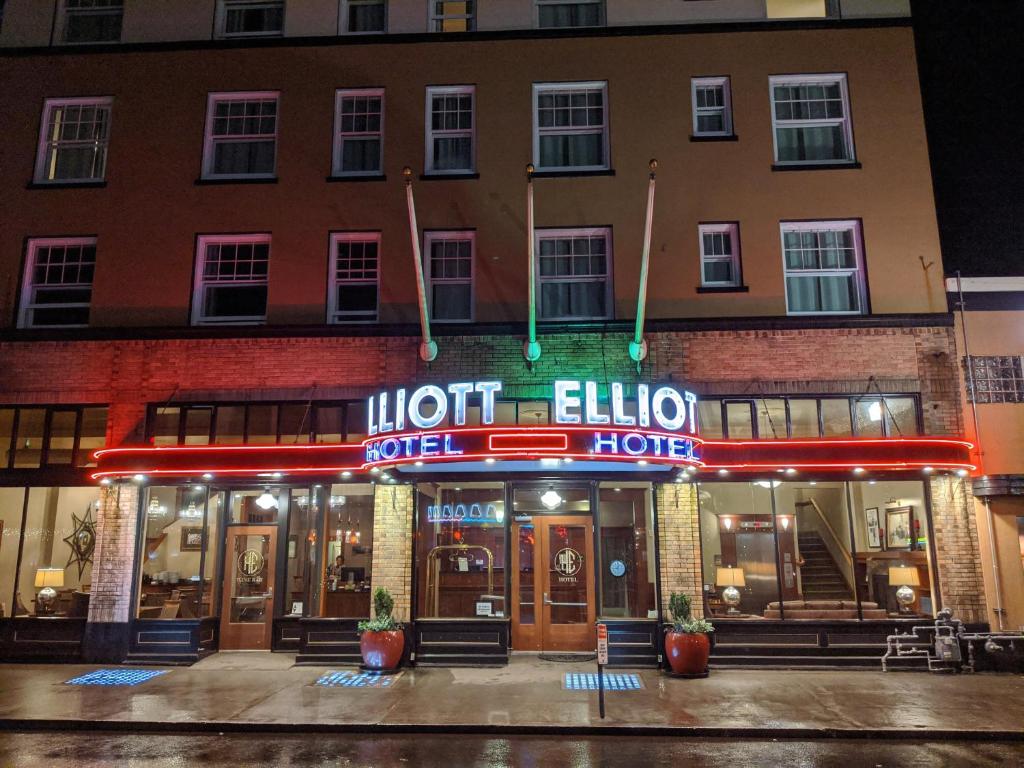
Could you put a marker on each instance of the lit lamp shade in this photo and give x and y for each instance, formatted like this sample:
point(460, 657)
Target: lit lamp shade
point(730, 577)
point(49, 577)
point(904, 576)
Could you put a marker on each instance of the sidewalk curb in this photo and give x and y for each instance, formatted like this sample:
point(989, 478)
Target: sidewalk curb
point(782, 733)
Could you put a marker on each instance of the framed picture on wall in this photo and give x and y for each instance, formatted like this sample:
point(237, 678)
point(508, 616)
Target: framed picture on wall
point(899, 528)
point(874, 527)
point(192, 539)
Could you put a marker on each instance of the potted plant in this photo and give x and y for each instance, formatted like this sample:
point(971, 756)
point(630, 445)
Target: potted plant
point(687, 644)
point(381, 639)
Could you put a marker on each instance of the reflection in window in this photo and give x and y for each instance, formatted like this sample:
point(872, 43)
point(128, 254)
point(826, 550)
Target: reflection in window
point(803, 418)
point(57, 552)
point(771, 418)
point(709, 418)
point(627, 555)
point(738, 421)
point(460, 558)
point(347, 553)
point(11, 503)
point(172, 585)
point(835, 418)
point(28, 445)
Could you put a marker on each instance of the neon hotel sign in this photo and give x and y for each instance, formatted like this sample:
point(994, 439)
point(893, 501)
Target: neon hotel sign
point(659, 424)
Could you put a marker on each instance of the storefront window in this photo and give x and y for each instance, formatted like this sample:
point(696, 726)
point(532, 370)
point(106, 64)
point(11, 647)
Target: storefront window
point(12, 501)
point(174, 583)
point(771, 418)
point(803, 418)
point(709, 418)
point(460, 550)
point(738, 542)
point(891, 531)
point(347, 559)
point(627, 557)
point(57, 554)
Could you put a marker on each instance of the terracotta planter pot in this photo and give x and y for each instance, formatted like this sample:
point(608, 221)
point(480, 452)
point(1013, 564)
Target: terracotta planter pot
point(687, 653)
point(382, 650)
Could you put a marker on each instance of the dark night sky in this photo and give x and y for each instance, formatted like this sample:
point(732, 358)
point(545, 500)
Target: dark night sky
point(971, 60)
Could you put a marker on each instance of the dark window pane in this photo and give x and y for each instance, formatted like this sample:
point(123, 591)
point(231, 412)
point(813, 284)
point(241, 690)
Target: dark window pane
point(28, 447)
point(296, 423)
point(230, 424)
point(93, 27)
point(262, 424)
point(93, 435)
point(6, 433)
point(329, 424)
point(61, 442)
point(164, 426)
point(236, 301)
point(356, 421)
point(198, 422)
point(738, 421)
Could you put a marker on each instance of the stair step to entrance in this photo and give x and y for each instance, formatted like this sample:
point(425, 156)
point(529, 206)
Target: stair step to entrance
point(802, 662)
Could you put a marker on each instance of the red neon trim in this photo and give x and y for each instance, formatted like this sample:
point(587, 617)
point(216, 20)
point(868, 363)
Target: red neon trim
point(504, 441)
point(844, 441)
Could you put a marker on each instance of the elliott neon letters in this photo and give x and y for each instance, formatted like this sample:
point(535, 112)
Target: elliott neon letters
point(575, 402)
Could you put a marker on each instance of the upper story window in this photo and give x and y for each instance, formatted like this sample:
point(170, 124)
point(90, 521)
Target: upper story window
point(43, 436)
point(73, 141)
point(359, 132)
point(451, 16)
point(450, 129)
point(995, 379)
point(823, 265)
point(558, 14)
point(57, 286)
point(574, 274)
point(449, 275)
point(355, 285)
point(719, 254)
point(811, 119)
point(250, 18)
point(92, 21)
point(241, 136)
point(570, 126)
point(364, 16)
point(231, 280)
point(712, 106)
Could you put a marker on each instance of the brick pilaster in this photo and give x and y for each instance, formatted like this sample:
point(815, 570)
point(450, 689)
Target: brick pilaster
point(679, 544)
point(957, 548)
point(113, 558)
point(392, 545)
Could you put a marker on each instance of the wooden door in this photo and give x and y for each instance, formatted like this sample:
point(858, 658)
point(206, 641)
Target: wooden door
point(566, 570)
point(247, 609)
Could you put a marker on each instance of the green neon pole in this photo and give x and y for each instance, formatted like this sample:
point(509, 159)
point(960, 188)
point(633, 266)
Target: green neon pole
point(428, 347)
point(531, 349)
point(638, 346)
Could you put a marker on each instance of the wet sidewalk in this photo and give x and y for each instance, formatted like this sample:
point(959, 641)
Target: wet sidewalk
point(237, 692)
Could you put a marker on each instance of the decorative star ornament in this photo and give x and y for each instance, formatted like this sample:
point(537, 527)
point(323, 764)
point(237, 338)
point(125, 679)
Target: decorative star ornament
point(82, 541)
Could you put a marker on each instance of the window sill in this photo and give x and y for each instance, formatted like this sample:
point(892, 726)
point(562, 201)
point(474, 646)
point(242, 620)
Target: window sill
point(723, 289)
point(358, 177)
point(815, 166)
point(729, 137)
point(562, 174)
point(240, 180)
point(66, 185)
point(448, 176)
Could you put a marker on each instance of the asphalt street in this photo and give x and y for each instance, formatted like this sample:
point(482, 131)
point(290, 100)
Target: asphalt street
point(93, 750)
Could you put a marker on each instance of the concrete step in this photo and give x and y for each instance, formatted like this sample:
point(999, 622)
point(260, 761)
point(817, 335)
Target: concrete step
point(793, 662)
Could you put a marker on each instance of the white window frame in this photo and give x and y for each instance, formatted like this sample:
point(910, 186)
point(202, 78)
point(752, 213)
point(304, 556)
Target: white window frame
point(733, 230)
point(209, 140)
point(858, 271)
point(555, 234)
point(26, 306)
point(433, 18)
point(538, 89)
point(430, 133)
point(712, 82)
point(66, 13)
point(43, 145)
point(537, 4)
point(333, 281)
point(339, 137)
point(222, 17)
point(845, 121)
point(343, 9)
point(199, 316)
point(429, 237)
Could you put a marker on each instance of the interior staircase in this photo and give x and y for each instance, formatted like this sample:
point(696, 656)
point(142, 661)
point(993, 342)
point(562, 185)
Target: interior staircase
point(820, 575)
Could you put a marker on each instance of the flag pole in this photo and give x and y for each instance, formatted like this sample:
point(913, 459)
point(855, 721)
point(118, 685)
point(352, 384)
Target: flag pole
point(428, 347)
point(638, 346)
point(531, 349)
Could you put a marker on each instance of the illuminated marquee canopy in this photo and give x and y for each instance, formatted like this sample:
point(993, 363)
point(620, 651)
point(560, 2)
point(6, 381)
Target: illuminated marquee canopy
point(654, 427)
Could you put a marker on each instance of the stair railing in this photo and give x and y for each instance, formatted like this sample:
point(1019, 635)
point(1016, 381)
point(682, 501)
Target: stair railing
point(847, 555)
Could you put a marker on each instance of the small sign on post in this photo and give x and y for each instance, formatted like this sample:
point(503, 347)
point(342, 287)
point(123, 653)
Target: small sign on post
point(602, 659)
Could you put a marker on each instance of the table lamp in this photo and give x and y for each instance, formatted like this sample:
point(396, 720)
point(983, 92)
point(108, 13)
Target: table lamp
point(46, 580)
point(730, 578)
point(908, 578)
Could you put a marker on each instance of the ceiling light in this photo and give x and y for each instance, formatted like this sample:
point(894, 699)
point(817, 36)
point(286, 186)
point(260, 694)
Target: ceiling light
point(858, 470)
point(199, 487)
point(192, 511)
point(207, 476)
point(962, 472)
point(927, 470)
point(419, 463)
point(346, 473)
point(790, 471)
point(276, 475)
point(875, 411)
point(139, 478)
point(105, 481)
point(375, 470)
point(723, 471)
point(642, 463)
point(266, 501)
point(567, 460)
point(550, 499)
point(486, 461)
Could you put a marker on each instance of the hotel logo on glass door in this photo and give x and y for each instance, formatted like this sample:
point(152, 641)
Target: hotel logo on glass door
point(656, 423)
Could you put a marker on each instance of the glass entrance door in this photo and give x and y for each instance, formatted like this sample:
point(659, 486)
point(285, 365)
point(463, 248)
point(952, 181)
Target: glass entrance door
point(248, 607)
point(553, 583)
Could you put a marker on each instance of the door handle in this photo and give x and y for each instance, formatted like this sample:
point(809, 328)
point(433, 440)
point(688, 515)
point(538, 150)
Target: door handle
point(546, 600)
